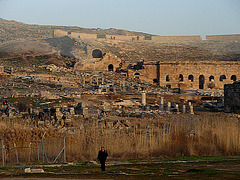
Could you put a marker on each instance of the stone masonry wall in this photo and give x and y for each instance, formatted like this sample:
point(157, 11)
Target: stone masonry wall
point(176, 38)
point(60, 33)
point(235, 37)
point(186, 75)
point(232, 98)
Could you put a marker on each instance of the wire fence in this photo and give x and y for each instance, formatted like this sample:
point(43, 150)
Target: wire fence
point(45, 151)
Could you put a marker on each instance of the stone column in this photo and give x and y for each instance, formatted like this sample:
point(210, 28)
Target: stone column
point(144, 99)
point(91, 80)
point(97, 81)
point(84, 80)
point(169, 106)
point(177, 108)
point(184, 109)
point(191, 110)
point(161, 103)
point(114, 89)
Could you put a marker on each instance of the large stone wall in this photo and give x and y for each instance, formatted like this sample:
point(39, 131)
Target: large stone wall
point(188, 75)
point(176, 38)
point(100, 64)
point(60, 33)
point(232, 98)
point(235, 37)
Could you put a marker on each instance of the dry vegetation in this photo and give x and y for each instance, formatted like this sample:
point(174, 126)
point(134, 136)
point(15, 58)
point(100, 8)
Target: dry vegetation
point(171, 136)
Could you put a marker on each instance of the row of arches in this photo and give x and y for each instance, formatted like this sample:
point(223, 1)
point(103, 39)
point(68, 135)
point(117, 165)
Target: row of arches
point(211, 78)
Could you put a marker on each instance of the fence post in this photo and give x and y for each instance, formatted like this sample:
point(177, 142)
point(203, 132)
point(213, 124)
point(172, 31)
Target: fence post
point(64, 144)
point(16, 151)
point(38, 152)
point(3, 159)
point(30, 149)
point(44, 152)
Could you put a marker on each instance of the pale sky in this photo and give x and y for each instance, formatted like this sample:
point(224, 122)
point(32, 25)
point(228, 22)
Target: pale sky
point(161, 17)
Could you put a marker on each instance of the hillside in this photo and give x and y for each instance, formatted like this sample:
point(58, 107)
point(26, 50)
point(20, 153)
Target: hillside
point(12, 31)
point(19, 39)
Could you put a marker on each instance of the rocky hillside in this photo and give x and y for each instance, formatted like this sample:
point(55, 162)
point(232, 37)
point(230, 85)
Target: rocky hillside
point(13, 31)
point(19, 39)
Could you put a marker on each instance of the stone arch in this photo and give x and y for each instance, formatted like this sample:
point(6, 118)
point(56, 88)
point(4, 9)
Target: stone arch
point(201, 81)
point(234, 78)
point(222, 77)
point(211, 78)
point(97, 53)
point(190, 77)
point(167, 78)
point(110, 67)
point(180, 77)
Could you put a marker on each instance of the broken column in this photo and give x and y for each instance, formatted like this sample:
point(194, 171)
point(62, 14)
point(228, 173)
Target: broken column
point(91, 80)
point(169, 106)
point(144, 99)
point(84, 81)
point(184, 109)
point(161, 103)
point(97, 81)
point(191, 109)
point(177, 108)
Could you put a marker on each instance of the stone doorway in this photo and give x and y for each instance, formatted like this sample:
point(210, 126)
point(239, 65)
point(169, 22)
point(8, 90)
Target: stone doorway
point(110, 67)
point(201, 81)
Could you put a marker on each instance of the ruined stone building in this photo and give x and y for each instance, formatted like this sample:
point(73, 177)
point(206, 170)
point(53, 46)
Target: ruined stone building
point(185, 62)
point(232, 98)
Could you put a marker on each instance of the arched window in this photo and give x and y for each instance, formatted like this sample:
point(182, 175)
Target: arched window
point(97, 53)
point(167, 78)
point(222, 77)
point(201, 81)
point(234, 78)
point(180, 77)
point(110, 67)
point(190, 77)
point(137, 74)
point(211, 78)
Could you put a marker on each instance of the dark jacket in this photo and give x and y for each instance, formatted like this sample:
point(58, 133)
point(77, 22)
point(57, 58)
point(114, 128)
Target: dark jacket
point(102, 155)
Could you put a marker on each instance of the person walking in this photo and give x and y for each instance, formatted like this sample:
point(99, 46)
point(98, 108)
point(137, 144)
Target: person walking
point(102, 156)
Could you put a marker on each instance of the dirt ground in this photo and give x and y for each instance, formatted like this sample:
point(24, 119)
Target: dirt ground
point(188, 167)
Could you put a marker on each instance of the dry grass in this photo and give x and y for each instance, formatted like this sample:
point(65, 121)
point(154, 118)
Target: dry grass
point(176, 136)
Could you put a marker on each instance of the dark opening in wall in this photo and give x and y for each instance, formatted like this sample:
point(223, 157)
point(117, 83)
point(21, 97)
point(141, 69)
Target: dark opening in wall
point(201, 81)
point(155, 80)
point(168, 86)
point(211, 77)
point(190, 77)
point(136, 74)
point(222, 77)
point(167, 78)
point(110, 67)
point(97, 53)
point(180, 77)
point(234, 78)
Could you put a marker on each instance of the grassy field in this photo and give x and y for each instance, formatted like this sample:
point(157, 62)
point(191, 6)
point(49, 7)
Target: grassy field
point(189, 167)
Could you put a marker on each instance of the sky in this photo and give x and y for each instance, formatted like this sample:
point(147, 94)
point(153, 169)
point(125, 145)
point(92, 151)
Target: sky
point(160, 17)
